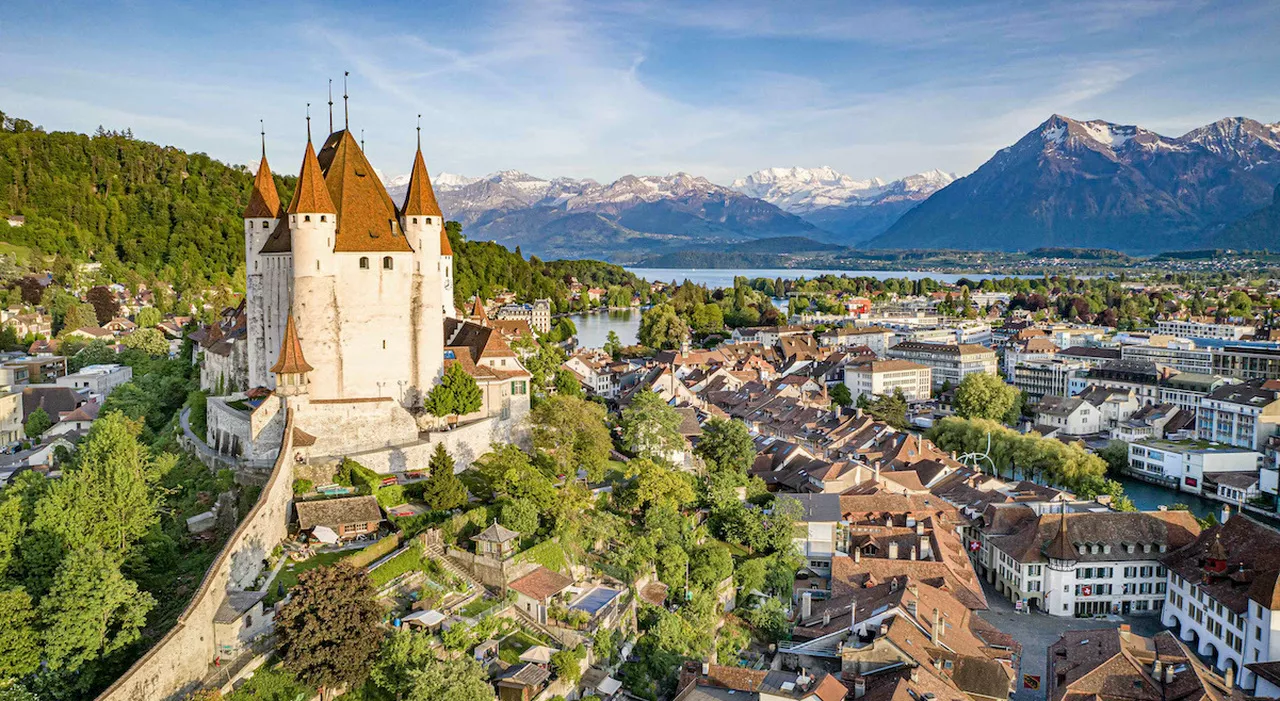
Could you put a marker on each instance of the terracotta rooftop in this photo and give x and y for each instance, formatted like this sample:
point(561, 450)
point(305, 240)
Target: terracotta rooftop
point(367, 218)
point(420, 199)
point(310, 195)
point(264, 201)
point(290, 361)
point(541, 584)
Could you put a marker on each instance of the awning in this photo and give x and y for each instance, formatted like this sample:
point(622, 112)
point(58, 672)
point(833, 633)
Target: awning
point(538, 654)
point(609, 686)
point(324, 534)
point(429, 619)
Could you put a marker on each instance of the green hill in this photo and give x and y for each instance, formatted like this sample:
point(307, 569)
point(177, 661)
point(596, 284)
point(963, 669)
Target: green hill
point(156, 212)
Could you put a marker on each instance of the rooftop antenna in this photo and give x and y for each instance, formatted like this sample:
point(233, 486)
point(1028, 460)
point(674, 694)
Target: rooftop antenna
point(419, 132)
point(331, 105)
point(308, 122)
point(262, 128)
point(346, 115)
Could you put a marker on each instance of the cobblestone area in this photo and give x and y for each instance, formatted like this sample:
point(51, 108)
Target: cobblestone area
point(1037, 631)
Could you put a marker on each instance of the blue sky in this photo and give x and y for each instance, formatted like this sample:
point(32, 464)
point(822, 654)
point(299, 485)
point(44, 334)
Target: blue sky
point(600, 89)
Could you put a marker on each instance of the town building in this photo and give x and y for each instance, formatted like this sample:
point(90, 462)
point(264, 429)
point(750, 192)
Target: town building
point(1224, 595)
point(1248, 362)
point(98, 380)
point(1180, 354)
point(880, 377)
point(1038, 378)
point(845, 337)
point(1203, 328)
point(1189, 465)
point(537, 314)
point(1242, 415)
point(1115, 663)
point(950, 362)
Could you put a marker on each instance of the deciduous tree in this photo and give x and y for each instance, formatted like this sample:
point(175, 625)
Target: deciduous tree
point(38, 422)
point(92, 609)
point(726, 445)
point(19, 641)
point(408, 669)
point(574, 433)
point(981, 395)
point(651, 428)
point(328, 634)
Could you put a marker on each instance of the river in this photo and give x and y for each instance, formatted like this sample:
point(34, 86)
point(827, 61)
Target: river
point(712, 277)
point(1149, 497)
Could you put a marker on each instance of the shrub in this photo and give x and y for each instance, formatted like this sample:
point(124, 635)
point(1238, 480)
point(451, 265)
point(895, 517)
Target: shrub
point(407, 561)
point(375, 552)
point(303, 486)
point(390, 496)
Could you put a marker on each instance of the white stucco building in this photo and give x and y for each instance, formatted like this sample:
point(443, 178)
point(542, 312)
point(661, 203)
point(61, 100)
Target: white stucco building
point(879, 377)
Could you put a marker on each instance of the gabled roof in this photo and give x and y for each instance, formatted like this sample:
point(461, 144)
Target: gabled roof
point(311, 195)
point(367, 218)
point(264, 201)
point(337, 512)
point(420, 199)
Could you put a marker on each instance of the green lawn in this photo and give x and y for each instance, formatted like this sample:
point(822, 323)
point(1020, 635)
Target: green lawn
point(518, 642)
point(478, 606)
point(289, 574)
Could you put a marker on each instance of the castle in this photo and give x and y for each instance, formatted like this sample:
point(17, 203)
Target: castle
point(348, 320)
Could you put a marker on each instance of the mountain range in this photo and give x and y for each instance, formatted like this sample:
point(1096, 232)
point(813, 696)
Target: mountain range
point(1066, 183)
point(1095, 184)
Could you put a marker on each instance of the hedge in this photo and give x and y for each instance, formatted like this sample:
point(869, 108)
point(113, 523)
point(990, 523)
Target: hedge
point(389, 496)
point(375, 552)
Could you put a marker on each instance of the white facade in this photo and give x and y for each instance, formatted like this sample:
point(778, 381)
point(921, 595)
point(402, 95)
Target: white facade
point(949, 362)
point(1048, 376)
point(1202, 329)
point(883, 377)
point(1184, 463)
point(97, 379)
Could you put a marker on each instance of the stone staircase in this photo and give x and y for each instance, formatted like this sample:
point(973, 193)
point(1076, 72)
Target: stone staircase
point(435, 552)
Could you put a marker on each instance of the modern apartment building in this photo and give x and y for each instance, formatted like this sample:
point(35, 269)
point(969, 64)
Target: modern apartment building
point(1188, 465)
point(1247, 362)
point(950, 362)
point(1044, 377)
point(1180, 354)
point(1203, 329)
point(1242, 415)
point(879, 377)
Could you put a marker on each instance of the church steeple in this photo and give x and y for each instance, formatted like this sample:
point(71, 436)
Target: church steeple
point(311, 194)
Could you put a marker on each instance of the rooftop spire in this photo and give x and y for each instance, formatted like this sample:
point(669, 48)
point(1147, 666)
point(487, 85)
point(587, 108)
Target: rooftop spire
point(311, 193)
point(262, 127)
point(420, 198)
point(419, 133)
point(331, 105)
point(264, 201)
point(362, 139)
point(346, 115)
point(290, 361)
point(308, 123)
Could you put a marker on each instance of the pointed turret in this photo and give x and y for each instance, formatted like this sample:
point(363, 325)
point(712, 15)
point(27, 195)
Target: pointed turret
point(477, 309)
point(445, 248)
point(264, 201)
point(311, 194)
point(420, 199)
point(291, 361)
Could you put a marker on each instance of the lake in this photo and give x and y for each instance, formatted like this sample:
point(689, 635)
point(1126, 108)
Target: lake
point(593, 329)
point(713, 277)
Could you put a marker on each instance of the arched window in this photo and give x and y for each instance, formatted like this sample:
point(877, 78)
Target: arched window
point(264, 224)
point(364, 262)
point(387, 263)
point(322, 217)
point(415, 220)
point(306, 217)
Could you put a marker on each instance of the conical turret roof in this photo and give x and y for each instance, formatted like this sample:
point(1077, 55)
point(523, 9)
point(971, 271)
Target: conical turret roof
point(291, 361)
point(445, 248)
point(311, 195)
point(264, 201)
point(477, 308)
point(1216, 550)
point(420, 199)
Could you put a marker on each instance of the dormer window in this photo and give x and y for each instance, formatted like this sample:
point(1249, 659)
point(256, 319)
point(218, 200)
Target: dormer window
point(387, 263)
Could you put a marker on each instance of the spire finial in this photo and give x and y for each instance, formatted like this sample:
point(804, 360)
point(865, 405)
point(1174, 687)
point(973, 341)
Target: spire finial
point(346, 114)
point(331, 105)
point(362, 139)
point(419, 132)
point(262, 128)
point(308, 122)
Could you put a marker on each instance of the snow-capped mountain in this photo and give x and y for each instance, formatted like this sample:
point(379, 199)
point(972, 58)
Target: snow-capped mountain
point(804, 190)
point(634, 214)
point(1093, 183)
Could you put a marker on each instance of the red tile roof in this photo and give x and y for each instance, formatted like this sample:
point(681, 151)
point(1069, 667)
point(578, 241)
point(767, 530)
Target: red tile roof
point(541, 584)
point(420, 199)
point(291, 361)
point(311, 195)
point(264, 201)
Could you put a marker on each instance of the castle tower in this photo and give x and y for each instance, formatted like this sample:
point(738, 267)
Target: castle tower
point(312, 219)
point(1059, 579)
point(261, 217)
point(423, 225)
point(446, 261)
point(291, 367)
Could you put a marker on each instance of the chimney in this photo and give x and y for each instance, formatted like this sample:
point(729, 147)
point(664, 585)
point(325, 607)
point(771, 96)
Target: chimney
point(937, 628)
point(806, 606)
point(1157, 668)
point(919, 527)
point(857, 555)
point(826, 618)
point(915, 675)
point(1229, 677)
point(859, 683)
point(1226, 512)
point(1168, 674)
point(1124, 628)
point(802, 680)
point(884, 629)
point(914, 554)
point(893, 550)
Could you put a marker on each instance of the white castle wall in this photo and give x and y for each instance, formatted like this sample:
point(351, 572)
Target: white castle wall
point(465, 443)
point(348, 425)
point(375, 339)
point(277, 299)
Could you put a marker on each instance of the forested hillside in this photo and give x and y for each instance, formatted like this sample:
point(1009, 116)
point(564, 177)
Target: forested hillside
point(156, 211)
